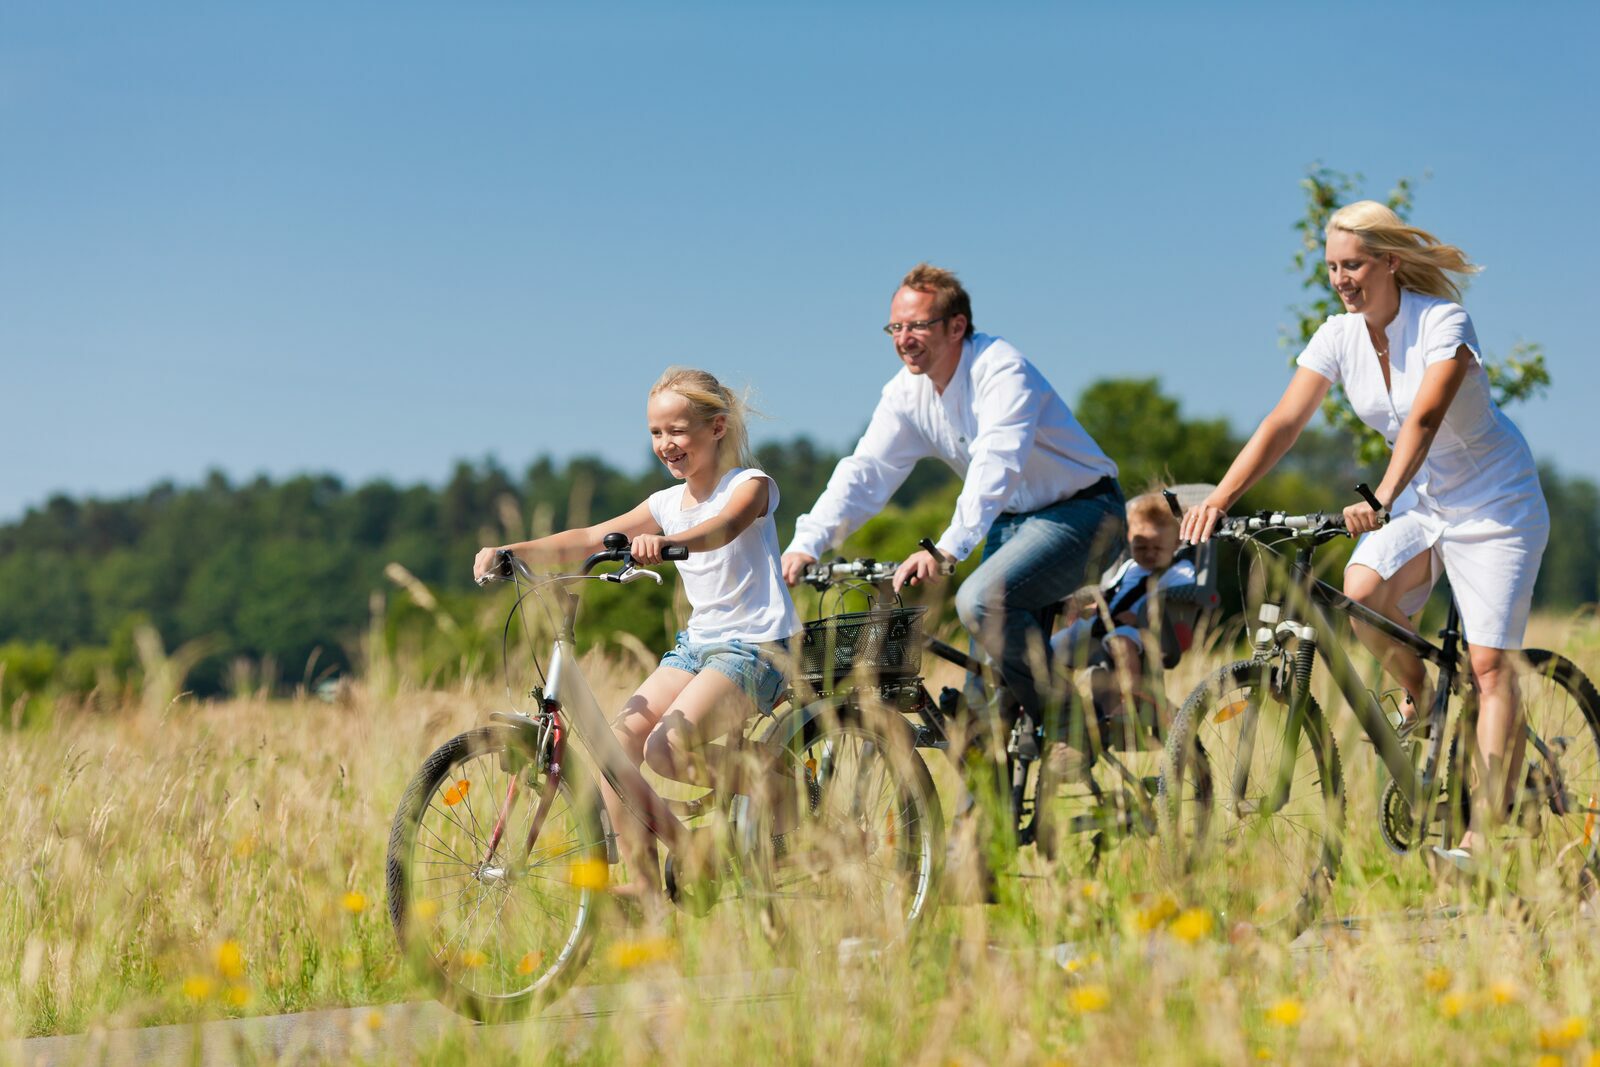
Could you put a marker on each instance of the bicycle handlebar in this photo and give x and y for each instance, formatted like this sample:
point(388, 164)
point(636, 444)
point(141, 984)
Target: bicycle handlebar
point(507, 563)
point(1318, 524)
point(865, 569)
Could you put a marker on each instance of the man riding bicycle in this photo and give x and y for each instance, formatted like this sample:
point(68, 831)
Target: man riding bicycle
point(1037, 490)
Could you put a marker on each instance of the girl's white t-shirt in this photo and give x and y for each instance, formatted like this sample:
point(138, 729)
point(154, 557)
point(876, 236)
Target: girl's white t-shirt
point(736, 591)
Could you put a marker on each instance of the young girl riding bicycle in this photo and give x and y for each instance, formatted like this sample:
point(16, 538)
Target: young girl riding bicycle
point(727, 661)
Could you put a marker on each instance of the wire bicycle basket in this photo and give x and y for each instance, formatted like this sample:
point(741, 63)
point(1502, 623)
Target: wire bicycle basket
point(877, 646)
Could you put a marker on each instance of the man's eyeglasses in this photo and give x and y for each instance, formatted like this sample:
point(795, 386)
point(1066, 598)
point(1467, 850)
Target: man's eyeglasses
point(894, 329)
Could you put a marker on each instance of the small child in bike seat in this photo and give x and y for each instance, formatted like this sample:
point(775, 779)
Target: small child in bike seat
point(1114, 651)
point(729, 661)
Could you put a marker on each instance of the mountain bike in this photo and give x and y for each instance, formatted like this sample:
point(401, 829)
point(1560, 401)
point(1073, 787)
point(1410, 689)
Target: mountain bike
point(500, 852)
point(1252, 771)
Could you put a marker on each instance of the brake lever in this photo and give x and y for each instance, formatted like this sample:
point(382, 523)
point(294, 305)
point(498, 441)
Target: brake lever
point(630, 573)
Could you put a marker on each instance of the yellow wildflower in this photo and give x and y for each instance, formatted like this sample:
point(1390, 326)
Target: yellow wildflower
point(198, 987)
point(230, 960)
point(426, 909)
point(1087, 999)
point(353, 902)
point(1452, 1005)
point(245, 847)
point(374, 1020)
point(1549, 1059)
point(1503, 992)
point(1192, 925)
point(1263, 1053)
point(1563, 1036)
point(589, 874)
point(1286, 1012)
point(530, 963)
point(626, 955)
point(237, 995)
point(1155, 914)
point(1438, 979)
point(472, 959)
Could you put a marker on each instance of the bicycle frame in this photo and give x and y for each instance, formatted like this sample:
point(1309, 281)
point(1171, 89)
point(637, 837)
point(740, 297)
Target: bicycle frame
point(571, 706)
point(1313, 599)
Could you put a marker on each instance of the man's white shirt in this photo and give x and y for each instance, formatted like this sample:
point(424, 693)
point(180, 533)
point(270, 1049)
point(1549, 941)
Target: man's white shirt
point(998, 424)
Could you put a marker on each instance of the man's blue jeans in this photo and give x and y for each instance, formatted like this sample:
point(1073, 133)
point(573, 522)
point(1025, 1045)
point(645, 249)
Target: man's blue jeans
point(1031, 562)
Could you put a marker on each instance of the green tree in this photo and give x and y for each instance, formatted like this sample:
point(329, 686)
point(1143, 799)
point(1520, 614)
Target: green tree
point(1144, 430)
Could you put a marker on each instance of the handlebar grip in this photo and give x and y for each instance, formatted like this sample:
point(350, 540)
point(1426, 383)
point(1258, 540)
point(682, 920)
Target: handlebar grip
point(1364, 491)
point(674, 552)
point(945, 566)
point(1172, 503)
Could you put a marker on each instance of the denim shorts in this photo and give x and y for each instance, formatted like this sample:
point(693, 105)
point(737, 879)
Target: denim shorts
point(749, 664)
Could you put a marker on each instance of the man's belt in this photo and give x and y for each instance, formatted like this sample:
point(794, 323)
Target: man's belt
point(1103, 487)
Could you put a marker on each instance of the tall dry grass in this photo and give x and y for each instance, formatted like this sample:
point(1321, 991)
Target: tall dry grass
point(175, 861)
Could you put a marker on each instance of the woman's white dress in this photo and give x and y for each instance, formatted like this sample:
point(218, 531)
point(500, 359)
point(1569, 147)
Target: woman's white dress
point(1476, 504)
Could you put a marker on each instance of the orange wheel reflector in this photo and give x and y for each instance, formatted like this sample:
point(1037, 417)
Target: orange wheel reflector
point(530, 963)
point(888, 827)
point(811, 765)
point(1588, 820)
point(1229, 711)
point(457, 793)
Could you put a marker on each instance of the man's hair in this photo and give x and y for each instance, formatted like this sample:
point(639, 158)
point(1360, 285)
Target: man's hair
point(1152, 508)
point(949, 298)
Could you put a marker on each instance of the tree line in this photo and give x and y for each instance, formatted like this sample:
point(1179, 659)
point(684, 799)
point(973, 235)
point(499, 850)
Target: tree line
point(272, 584)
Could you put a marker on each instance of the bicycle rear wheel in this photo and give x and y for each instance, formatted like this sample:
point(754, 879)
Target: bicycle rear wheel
point(1550, 844)
point(860, 869)
point(1265, 863)
point(496, 923)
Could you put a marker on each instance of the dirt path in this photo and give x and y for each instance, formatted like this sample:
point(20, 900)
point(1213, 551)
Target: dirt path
point(380, 1034)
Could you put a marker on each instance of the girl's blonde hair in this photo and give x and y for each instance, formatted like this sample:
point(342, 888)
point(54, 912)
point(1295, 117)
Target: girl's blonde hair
point(1423, 257)
point(707, 399)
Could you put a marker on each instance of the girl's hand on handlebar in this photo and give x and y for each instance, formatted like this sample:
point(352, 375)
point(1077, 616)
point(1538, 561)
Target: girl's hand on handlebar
point(483, 564)
point(1200, 522)
point(646, 549)
point(923, 566)
point(1360, 518)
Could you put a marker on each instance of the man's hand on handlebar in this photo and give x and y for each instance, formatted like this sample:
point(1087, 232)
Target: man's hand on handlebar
point(794, 567)
point(923, 566)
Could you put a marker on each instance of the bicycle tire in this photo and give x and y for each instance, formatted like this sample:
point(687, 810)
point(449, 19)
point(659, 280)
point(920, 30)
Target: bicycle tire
point(871, 837)
point(1212, 834)
point(501, 965)
point(1562, 707)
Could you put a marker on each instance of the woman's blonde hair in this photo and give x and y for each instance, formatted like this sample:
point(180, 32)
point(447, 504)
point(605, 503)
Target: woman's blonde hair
point(1423, 257)
point(707, 399)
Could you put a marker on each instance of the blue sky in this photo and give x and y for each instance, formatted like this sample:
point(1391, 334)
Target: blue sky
point(375, 239)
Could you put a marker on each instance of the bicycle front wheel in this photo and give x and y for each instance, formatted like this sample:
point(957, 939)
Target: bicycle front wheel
point(861, 867)
point(1254, 823)
point(494, 873)
point(1549, 845)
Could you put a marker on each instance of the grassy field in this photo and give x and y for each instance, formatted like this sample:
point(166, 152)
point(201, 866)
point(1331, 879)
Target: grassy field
point(173, 861)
